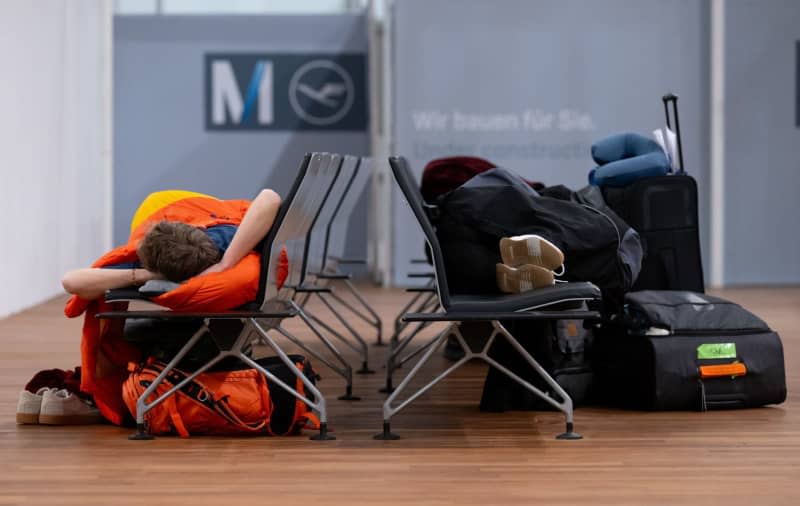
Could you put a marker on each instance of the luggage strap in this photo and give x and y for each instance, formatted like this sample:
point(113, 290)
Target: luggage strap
point(731, 370)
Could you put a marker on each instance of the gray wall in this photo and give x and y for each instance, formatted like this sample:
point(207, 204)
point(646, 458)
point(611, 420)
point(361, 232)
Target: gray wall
point(160, 140)
point(609, 64)
point(762, 142)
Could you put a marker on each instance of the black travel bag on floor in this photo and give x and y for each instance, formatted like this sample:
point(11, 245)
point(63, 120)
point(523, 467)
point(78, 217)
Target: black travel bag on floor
point(679, 350)
point(663, 210)
point(562, 348)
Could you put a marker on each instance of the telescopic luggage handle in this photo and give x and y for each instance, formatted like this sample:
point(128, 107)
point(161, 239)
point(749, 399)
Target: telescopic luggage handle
point(671, 97)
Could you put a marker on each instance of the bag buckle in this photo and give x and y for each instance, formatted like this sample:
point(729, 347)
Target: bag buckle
point(433, 212)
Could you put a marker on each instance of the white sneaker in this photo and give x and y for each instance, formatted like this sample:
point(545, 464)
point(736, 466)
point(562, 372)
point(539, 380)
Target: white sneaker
point(523, 278)
point(62, 407)
point(29, 405)
point(530, 249)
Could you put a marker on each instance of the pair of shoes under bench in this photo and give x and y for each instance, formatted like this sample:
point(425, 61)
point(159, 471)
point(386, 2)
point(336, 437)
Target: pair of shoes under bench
point(528, 263)
point(51, 406)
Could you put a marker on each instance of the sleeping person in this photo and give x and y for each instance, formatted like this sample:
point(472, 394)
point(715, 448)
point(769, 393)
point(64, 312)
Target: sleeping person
point(203, 243)
point(176, 251)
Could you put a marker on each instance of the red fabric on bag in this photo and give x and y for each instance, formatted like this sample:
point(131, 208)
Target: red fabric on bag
point(446, 174)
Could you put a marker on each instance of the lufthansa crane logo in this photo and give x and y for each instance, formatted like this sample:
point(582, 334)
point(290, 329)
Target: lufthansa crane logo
point(321, 92)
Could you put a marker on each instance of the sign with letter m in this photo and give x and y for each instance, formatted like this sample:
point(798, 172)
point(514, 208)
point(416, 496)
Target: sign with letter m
point(251, 91)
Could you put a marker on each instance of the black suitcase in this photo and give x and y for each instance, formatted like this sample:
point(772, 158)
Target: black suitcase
point(664, 211)
point(678, 350)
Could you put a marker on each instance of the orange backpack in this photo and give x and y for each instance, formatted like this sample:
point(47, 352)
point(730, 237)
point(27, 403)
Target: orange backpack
point(235, 402)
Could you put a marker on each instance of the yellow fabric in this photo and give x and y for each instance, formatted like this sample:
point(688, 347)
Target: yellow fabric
point(157, 200)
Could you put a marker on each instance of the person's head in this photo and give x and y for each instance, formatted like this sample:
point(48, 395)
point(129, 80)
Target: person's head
point(177, 251)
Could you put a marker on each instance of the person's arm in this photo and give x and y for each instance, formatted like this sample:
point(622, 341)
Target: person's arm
point(92, 283)
point(254, 226)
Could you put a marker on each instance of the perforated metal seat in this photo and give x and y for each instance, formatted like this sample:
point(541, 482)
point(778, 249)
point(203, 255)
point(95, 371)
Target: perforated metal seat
point(321, 275)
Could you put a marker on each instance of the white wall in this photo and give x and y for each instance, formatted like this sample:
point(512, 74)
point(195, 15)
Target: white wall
point(581, 70)
point(761, 137)
point(54, 144)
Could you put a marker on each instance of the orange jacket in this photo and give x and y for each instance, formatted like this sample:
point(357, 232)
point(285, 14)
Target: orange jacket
point(104, 355)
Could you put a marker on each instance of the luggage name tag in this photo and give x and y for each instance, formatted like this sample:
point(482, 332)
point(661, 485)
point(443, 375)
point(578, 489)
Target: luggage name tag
point(715, 351)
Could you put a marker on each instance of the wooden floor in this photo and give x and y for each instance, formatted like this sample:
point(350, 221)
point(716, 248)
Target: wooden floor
point(451, 453)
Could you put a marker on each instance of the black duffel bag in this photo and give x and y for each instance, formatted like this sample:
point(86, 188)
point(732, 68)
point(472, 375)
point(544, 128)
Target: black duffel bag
point(679, 350)
point(597, 245)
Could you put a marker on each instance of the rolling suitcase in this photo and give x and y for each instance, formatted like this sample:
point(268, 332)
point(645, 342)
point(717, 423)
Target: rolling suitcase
point(663, 209)
point(679, 350)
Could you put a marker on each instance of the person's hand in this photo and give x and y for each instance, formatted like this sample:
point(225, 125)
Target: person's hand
point(142, 276)
point(150, 275)
point(217, 267)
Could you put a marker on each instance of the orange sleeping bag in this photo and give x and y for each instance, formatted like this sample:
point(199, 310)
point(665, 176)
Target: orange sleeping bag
point(104, 355)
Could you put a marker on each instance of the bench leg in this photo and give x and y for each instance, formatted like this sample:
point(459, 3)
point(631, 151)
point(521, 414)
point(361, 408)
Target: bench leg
point(565, 405)
point(389, 411)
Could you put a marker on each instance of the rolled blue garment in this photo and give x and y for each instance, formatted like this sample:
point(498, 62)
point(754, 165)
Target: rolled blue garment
point(624, 172)
point(621, 146)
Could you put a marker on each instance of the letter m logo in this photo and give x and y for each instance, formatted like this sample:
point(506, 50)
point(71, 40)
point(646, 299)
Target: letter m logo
point(239, 92)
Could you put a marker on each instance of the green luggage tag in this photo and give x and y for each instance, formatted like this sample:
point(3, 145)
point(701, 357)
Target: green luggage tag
point(710, 351)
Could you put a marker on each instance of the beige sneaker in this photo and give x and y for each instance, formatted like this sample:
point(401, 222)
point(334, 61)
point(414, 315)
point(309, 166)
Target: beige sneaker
point(61, 407)
point(29, 405)
point(523, 278)
point(530, 249)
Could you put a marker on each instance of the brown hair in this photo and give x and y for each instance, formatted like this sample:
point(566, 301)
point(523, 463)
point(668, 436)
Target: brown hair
point(177, 251)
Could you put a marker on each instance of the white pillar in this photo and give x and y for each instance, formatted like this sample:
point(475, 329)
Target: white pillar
point(379, 238)
point(717, 179)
